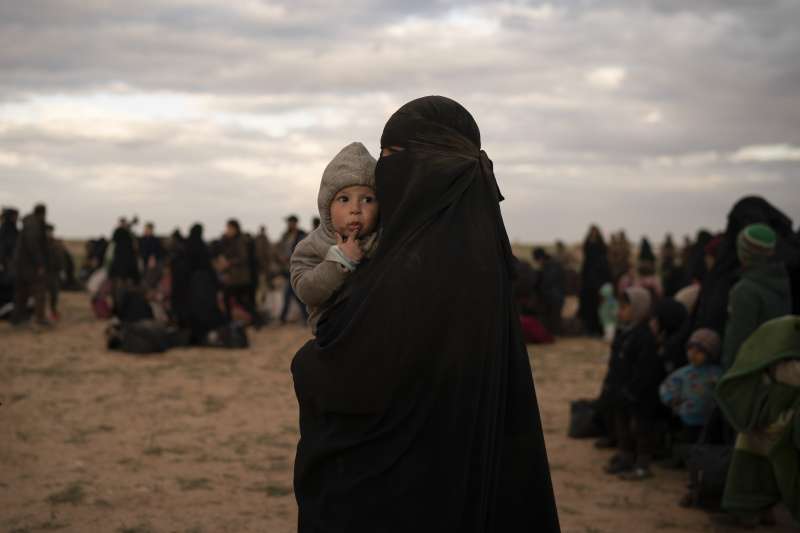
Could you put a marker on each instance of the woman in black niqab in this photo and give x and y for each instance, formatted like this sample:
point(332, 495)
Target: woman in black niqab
point(195, 287)
point(595, 272)
point(417, 404)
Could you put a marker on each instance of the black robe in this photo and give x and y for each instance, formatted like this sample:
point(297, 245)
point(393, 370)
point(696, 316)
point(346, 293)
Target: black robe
point(595, 272)
point(194, 288)
point(419, 413)
point(634, 373)
point(672, 317)
point(124, 264)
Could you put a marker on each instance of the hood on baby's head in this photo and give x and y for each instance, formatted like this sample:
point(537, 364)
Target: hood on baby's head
point(352, 166)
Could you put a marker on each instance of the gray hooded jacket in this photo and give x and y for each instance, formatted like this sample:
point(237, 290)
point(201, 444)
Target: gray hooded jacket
point(317, 270)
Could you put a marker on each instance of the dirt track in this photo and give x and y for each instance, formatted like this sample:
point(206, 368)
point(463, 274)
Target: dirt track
point(201, 440)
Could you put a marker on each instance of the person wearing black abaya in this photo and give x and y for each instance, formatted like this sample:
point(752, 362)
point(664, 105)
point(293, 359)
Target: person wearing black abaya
point(417, 404)
point(595, 272)
point(673, 274)
point(695, 257)
point(195, 287)
point(124, 269)
point(100, 252)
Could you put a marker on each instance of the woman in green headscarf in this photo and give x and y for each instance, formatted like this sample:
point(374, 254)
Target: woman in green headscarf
point(760, 396)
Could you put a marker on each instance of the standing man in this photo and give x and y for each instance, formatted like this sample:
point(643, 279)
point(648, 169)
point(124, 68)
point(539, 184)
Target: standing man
point(124, 270)
point(291, 237)
point(264, 256)
point(238, 272)
point(152, 254)
point(30, 266)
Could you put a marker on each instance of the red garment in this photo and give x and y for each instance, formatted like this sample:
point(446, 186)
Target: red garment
point(534, 332)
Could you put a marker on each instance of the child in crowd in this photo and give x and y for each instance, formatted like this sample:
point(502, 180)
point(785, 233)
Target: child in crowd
point(630, 389)
point(689, 391)
point(346, 235)
point(608, 311)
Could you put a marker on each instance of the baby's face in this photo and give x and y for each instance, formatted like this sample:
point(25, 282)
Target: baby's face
point(696, 356)
point(625, 312)
point(354, 209)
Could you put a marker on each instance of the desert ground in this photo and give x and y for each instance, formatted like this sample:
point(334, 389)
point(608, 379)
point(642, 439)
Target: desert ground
point(203, 440)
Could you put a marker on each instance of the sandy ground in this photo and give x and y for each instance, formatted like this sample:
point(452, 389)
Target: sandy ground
point(202, 440)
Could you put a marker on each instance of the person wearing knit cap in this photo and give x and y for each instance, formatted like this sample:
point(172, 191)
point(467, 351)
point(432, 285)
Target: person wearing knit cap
point(630, 390)
point(762, 293)
point(346, 236)
point(689, 391)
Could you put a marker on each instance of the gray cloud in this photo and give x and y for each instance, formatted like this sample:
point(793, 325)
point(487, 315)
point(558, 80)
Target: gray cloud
point(628, 112)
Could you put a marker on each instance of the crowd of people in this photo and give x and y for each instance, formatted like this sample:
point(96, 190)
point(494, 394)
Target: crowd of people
point(188, 289)
point(704, 363)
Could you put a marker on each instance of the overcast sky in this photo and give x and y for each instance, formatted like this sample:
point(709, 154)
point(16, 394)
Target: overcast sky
point(625, 113)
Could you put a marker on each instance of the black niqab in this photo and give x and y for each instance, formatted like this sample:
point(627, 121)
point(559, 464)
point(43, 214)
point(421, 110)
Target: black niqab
point(418, 412)
point(124, 263)
point(595, 272)
point(646, 251)
point(194, 288)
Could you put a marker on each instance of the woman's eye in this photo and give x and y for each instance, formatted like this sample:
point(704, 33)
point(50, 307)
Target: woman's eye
point(368, 199)
point(342, 199)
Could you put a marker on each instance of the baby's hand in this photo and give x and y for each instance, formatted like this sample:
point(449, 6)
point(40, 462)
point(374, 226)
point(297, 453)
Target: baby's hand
point(350, 247)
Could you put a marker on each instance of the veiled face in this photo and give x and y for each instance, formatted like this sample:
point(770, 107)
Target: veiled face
point(430, 147)
point(390, 150)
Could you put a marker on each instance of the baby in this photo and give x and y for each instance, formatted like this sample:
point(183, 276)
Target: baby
point(346, 235)
point(689, 391)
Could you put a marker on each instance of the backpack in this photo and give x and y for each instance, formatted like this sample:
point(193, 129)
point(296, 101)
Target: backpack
point(585, 421)
point(132, 306)
point(143, 337)
point(708, 465)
